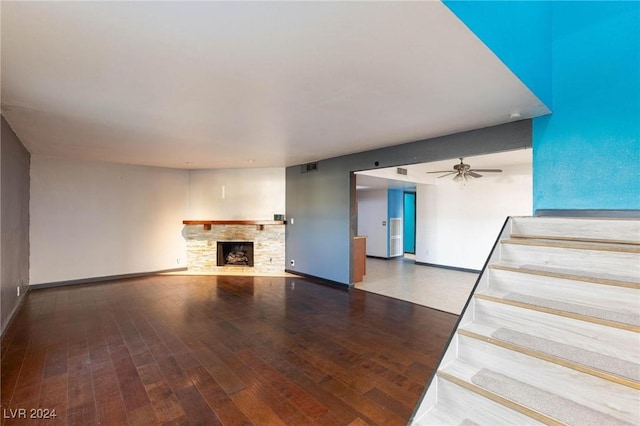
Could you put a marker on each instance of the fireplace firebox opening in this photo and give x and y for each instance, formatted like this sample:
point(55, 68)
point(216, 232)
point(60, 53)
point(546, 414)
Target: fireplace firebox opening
point(235, 253)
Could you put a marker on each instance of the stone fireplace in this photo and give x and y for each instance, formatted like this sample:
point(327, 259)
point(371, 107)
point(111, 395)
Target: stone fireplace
point(255, 246)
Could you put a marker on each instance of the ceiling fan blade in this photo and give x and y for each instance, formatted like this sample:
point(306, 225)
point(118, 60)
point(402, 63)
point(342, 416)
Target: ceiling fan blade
point(448, 174)
point(473, 174)
point(442, 171)
point(486, 170)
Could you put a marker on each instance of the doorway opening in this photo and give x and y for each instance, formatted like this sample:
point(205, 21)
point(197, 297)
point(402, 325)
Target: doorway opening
point(446, 223)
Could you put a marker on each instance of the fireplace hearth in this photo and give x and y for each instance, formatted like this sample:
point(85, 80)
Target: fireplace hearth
point(235, 253)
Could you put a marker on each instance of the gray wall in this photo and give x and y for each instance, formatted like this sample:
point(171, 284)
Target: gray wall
point(318, 202)
point(322, 202)
point(14, 217)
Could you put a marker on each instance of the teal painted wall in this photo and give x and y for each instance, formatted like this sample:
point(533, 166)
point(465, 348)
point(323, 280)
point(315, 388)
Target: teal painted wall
point(586, 155)
point(582, 59)
point(518, 33)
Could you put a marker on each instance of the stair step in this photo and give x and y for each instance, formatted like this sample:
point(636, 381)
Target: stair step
point(569, 274)
point(606, 367)
point(573, 244)
point(624, 300)
point(534, 379)
point(458, 405)
point(592, 262)
point(540, 405)
point(612, 342)
point(564, 309)
point(555, 406)
point(585, 229)
point(569, 306)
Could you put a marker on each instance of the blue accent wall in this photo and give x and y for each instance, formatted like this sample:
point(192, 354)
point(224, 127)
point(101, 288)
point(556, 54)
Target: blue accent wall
point(518, 33)
point(395, 202)
point(585, 57)
point(586, 155)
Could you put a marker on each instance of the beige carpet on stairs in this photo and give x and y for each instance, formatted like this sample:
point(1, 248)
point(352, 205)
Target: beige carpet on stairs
point(553, 406)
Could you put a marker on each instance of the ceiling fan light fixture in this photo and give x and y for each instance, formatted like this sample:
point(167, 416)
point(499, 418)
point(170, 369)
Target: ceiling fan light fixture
point(464, 172)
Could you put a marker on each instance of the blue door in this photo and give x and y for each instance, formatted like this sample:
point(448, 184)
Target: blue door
point(410, 222)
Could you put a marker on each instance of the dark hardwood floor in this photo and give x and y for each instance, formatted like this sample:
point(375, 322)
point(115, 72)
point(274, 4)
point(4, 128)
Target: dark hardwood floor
point(217, 350)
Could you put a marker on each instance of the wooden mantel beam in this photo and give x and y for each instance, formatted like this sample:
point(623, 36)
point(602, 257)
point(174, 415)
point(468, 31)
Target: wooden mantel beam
point(207, 223)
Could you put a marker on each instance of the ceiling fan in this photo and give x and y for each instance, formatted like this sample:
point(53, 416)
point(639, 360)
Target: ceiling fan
point(464, 171)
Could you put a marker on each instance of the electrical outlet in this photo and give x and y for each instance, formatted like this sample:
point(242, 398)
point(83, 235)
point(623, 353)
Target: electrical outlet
point(18, 289)
point(293, 262)
point(291, 221)
point(178, 261)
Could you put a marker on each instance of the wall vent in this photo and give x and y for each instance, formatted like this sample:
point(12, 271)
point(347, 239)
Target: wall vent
point(309, 167)
point(401, 171)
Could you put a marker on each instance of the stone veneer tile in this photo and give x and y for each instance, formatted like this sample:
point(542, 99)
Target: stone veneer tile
point(268, 247)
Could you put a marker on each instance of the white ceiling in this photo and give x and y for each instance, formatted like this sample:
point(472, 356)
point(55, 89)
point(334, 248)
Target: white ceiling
point(235, 84)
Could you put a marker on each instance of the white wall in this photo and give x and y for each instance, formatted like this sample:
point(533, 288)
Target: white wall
point(94, 219)
point(248, 194)
point(457, 224)
point(372, 211)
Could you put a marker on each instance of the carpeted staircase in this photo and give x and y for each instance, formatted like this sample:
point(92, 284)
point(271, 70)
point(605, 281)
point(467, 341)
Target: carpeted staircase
point(550, 335)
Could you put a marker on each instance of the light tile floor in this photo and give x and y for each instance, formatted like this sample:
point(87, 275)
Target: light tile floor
point(400, 278)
